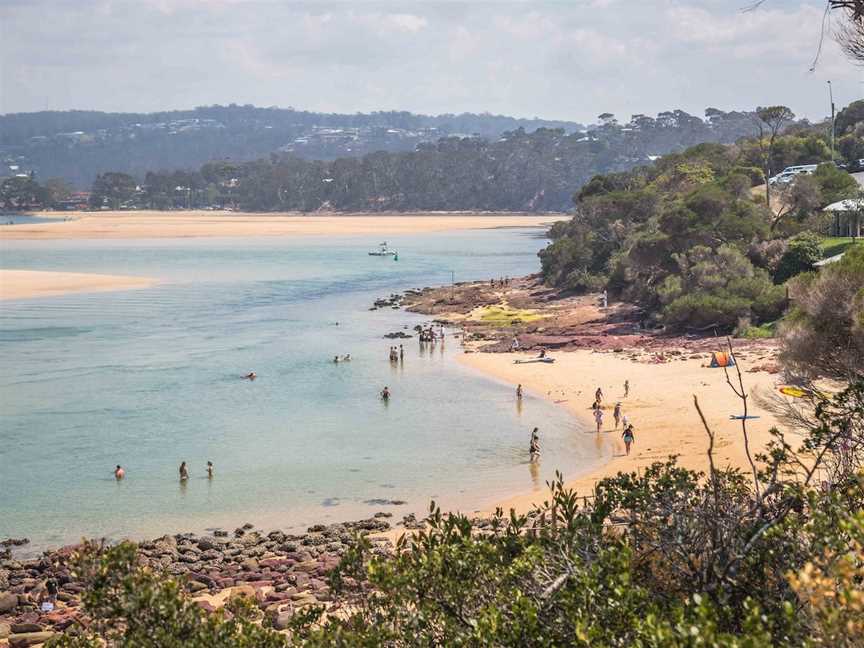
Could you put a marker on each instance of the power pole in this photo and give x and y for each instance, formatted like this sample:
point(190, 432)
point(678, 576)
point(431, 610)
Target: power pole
point(831, 97)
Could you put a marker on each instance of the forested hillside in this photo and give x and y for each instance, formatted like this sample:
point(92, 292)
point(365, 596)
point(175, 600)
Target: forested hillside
point(78, 145)
point(691, 238)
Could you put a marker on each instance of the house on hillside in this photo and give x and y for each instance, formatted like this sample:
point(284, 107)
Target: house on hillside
point(848, 217)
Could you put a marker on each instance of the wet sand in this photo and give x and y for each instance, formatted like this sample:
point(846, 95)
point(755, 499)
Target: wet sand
point(660, 406)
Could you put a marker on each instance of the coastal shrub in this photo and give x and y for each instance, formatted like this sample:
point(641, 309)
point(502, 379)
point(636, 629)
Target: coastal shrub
point(824, 332)
point(802, 252)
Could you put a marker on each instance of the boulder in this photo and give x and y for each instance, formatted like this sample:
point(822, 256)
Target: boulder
point(8, 602)
point(21, 628)
point(29, 639)
point(5, 630)
point(283, 620)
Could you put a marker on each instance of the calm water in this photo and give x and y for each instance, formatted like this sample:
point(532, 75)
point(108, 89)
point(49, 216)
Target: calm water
point(148, 378)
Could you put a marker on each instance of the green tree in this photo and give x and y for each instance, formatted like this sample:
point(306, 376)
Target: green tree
point(112, 190)
point(770, 122)
point(801, 254)
point(22, 192)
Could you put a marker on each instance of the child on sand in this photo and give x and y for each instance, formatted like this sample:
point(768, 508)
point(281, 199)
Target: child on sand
point(629, 437)
point(617, 414)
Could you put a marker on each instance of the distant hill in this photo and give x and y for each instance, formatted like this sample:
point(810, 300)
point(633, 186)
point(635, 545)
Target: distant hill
point(77, 145)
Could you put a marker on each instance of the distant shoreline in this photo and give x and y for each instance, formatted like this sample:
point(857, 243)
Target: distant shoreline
point(201, 223)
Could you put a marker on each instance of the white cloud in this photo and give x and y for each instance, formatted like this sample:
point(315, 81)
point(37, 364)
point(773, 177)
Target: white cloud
point(568, 60)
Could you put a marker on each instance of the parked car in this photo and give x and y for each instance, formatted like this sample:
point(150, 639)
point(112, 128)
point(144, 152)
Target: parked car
point(788, 174)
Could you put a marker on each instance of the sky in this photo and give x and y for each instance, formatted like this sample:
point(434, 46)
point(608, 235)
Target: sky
point(569, 60)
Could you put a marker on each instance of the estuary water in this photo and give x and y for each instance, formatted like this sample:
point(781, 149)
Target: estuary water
point(149, 378)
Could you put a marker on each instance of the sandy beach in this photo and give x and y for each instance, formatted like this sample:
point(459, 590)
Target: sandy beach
point(25, 284)
point(660, 406)
point(183, 224)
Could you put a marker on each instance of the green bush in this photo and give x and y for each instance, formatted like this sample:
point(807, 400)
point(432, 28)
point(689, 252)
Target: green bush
point(803, 251)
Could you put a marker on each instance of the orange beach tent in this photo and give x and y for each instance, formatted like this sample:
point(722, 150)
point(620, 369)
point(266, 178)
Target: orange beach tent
point(722, 359)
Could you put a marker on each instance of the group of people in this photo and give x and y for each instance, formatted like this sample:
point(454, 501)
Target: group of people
point(628, 435)
point(429, 335)
point(501, 281)
point(344, 358)
point(397, 355)
point(120, 473)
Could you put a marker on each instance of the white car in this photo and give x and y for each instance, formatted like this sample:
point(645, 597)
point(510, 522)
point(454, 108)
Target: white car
point(788, 174)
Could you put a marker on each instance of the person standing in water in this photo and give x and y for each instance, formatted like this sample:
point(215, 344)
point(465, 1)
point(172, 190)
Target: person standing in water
point(534, 446)
point(628, 437)
point(385, 394)
point(209, 470)
point(119, 473)
point(401, 354)
point(519, 391)
point(617, 414)
point(598, 416)
point(184, 473)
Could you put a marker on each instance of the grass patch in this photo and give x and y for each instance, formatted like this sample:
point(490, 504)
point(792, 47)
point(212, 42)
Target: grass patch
point(761, 332)
point(834, 245)
point(503, 315)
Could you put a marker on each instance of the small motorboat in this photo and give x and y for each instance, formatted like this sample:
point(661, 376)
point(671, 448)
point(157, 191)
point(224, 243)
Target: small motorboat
point(383, 250)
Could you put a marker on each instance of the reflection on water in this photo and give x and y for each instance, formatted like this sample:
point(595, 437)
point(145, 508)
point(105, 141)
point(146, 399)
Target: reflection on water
point(148, 378)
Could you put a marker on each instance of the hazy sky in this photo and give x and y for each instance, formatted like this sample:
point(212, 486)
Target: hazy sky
point(565, 60)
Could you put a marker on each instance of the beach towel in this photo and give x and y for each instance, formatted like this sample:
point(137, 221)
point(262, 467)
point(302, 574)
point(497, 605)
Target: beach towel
point(722, 359)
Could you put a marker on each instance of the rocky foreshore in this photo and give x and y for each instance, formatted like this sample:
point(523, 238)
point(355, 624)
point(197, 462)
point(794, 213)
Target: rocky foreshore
point(280, 571)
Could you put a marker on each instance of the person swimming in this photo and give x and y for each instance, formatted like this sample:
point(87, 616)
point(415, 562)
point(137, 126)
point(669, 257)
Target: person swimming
point(250, 376)
point(184, 473)
point(336, 358)
point(119, 473)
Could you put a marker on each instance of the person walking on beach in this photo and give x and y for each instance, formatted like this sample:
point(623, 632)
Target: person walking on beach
point(626, 388)
point(514, 345)
point(519, 391)
point(209, 470)
point(628, 437)
point(598, 395)
point(604, 299)
point(598, 416)
point(119, 473)
point(184, 473)
point(534, 446)
point(617, 414)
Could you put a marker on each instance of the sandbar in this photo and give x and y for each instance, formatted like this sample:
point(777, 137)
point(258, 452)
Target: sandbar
point(199, 223)
point(26, 284)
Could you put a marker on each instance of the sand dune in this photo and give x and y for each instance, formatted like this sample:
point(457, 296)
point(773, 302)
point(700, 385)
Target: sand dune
point(24, 284)
point(160, 224)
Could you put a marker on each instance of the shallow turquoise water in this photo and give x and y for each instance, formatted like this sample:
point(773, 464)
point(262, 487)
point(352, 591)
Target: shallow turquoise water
point(148, 378)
